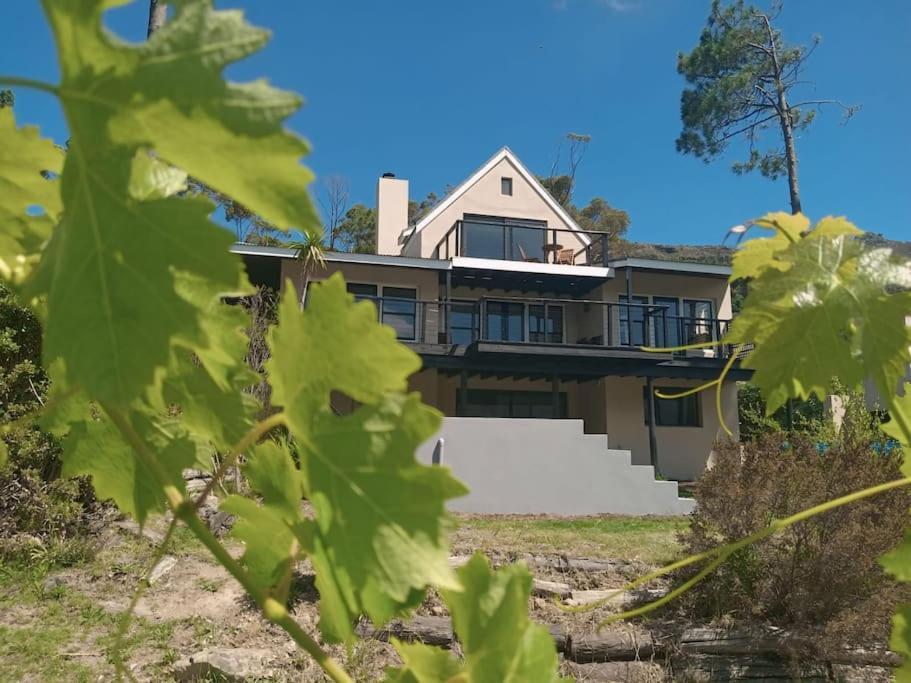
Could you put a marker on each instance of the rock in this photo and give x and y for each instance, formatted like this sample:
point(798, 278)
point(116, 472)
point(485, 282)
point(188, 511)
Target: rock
point(719, 641)
point(132, 527)
point(848, 673)
point(236, 665)
point(52, 582)
point(457, 561)
point(165, 564)
point(616, 672)
point(746, 667)
point(551, 589)
point(438, 611)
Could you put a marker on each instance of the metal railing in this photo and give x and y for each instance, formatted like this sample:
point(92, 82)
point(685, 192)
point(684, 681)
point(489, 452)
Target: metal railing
point(523, 241)
point(555, 322)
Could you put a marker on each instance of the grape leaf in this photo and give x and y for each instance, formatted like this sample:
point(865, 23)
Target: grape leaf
point(499, 642)
point(834, 309)
point(381, 528)
point(423, 664)
point(337, 345)
point(898, 560)
point(269, 530)
point(96, 448)
point(23, 157)
point(901, 642)
point(758, 255)
point(109, 271)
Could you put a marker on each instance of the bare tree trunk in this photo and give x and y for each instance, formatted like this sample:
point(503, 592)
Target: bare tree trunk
point(158, 13)
point(790, 152)
point(784, 117)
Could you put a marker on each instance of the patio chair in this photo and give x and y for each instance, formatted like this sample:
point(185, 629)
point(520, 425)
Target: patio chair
point(566, 257)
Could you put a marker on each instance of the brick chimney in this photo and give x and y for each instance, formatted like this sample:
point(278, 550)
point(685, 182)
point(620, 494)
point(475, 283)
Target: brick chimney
point(391, 213)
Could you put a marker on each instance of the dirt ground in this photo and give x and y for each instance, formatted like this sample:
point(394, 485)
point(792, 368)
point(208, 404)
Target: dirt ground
point(58, 625)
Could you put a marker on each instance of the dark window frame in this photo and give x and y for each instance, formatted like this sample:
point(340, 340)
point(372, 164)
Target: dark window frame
point(514, 398)
point(506, 186)
point(695, 411)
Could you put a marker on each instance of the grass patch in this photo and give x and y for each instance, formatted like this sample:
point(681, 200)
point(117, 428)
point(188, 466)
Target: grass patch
point(649, 539)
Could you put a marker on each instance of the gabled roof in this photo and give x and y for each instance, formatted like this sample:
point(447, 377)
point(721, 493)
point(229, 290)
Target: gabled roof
point(468, 183)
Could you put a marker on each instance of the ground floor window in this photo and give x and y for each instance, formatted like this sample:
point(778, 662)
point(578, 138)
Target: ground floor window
point(509, 403)
point(674, 412)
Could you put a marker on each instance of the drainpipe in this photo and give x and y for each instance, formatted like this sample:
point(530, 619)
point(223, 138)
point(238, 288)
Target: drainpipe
point(629, 309)
point(650, 418)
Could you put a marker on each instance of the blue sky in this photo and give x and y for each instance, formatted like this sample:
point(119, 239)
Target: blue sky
point(431, 89)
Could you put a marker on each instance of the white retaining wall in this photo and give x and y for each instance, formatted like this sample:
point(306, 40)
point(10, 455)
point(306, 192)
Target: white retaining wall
point(546, 467)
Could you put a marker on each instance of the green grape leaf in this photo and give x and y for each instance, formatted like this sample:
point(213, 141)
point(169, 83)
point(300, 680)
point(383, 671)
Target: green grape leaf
point(362, 478)
point(834, 309)
point(758, 255)
point(345, 349)
point(899, 426)
point(269, 531)
point(898, 560)
point(207, 412)
point(24, 155)
point(425, 664)
point(111, 268)
point(500, 644)
point(901, 642)
point(4, 454)
point(96, 448)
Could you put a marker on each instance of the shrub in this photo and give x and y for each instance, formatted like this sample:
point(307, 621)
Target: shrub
point(33, 499)
point(817, 569)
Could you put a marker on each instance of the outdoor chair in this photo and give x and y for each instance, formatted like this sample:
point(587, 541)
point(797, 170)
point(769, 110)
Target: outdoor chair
point(566, 257)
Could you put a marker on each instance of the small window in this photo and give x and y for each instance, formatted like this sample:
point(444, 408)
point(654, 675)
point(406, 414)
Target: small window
point(362, 291)
point(674, 412)
point(506, 186)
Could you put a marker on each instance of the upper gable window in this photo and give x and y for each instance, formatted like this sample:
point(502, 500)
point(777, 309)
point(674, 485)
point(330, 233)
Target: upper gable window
point(506, 186)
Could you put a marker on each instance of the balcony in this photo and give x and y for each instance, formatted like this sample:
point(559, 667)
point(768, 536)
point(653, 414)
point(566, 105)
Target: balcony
point(505, 239)
point(567, 323)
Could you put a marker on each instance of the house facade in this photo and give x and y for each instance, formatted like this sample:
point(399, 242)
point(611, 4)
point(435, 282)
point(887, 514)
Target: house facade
point(523, 321)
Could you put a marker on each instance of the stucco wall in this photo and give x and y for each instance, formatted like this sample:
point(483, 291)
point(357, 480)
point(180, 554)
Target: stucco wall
point(546, 467)
point(485, 198)
point(683, 452)
point(425, 281)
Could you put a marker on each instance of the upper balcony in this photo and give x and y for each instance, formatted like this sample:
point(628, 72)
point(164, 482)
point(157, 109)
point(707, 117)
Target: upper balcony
point(517, 324)
point(508, 239)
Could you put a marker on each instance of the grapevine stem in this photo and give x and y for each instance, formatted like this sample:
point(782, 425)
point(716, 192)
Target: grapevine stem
point(127, 617)
point(15, 81)
point(183, 508)
point(246, 441)
point(721, 553)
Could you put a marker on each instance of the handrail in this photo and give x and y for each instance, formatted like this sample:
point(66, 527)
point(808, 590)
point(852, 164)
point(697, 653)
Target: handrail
point(431, 321)
point(453, 242)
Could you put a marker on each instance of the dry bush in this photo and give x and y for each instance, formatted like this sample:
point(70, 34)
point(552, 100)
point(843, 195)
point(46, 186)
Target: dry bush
point(816, 571)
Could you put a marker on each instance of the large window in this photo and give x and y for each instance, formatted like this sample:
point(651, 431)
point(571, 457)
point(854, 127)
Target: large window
point(697, 321)
point(464, 318)
point(508, 403)
point(633, 326)
point(674, 412)
point(668, 330)
point(505, 321)
point(495, 237)
point(397, 307)
point(545, 324)
point(400, 311)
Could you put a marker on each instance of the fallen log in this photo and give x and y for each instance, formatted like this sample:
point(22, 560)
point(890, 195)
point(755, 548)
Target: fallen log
point(428, 630)
point(610, 647)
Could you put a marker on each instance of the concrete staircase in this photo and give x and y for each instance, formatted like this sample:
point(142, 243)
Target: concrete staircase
point(529, 466)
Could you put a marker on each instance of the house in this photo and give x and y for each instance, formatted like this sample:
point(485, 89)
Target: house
point(530, 334)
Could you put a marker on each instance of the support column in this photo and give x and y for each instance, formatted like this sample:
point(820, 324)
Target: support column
point(650, 420)
point(447, 317)
point(463, 393)
point(555, 395)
